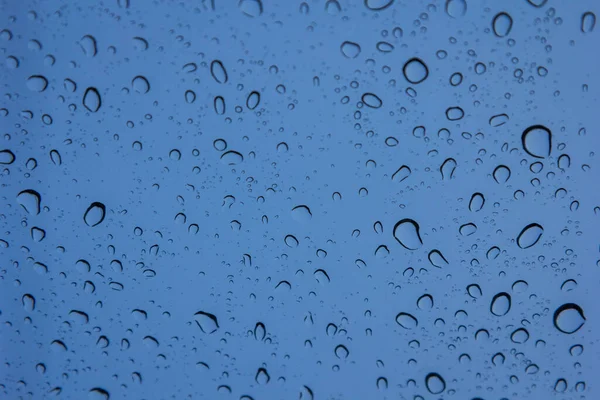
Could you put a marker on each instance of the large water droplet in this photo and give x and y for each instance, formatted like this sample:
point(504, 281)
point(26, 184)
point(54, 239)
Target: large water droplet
point(476, 203)
point(206, 322)
point(501, 174)
point(537, 141)
point(341, 352)
point(401, 174)
point(530, 235)
point(350, 49)
point(435, 383)
point(519, 336)
point(425, 302)
point(588, 22)
point(37, 83)
point(499, 120)
point(500, 304)
point(406, 232)
point(415, 71)
point(406, 320)
point(301, 213)
point(502, 24)
point(94, 214)
point(88, 45)
point(569, 318)
point(454, 113)
point(140, 84)
point(437, 259)
point(232, 157)
point(92, 100)
point(371, 100)
point(30, 200)
point(456, 8)
point(378, 5)
point(6, 157)
point(447, 168)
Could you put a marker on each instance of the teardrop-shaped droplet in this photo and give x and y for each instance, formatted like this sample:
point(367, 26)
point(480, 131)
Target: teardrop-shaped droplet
point(406, 320)
point(140, 84)
point(474, 290)
point(447, 168)
point(350, 49)
point(260, 331)
point(251, 8)
point(218, 71)
point(530, 235)
point(37, 83)
point(415, 71)
point(456, 8)
point(88, 45)
point(500, 304)
point(502, 24)
point(588, 22)
point(206, 322)
point(253, 100)
point(501, 174)
point(437, 259)
point(30, 200)
point(91, 99)
point(95, 214)
point(569, 318)
point(406, 232)
point(262, 376)
point(55, 157)
point(371, 100)
point(537, 141)
point(435, 383)
point(291, 241)
point(190, 96)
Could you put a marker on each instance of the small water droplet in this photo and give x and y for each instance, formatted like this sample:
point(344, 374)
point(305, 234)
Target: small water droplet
point(501, 174)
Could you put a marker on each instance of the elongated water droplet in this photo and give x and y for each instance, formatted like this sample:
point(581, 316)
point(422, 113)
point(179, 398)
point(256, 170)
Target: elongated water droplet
point(406, 320)
point(253, 100)
point(476, 203)
point(530, 235)
point(537, 141)
point(588, 22)
point(371, 100)
point(88, 45)
point(474, 290)
point(291, 241)
point(94, 214)
point(55, 157)
point(190, 96)
point(437, 259)
point(467, 229)
point(499, 120)
point(501, 174)
point(401, 174)
point(260, 331)
point(251, 8)
point(218, 71)
point(502, 24)
point(569, 318)
point(406, 232)
point(219, 105)
point(91, 99)
point(378, 5)
point(28, 302)
point(98, 394)
point(415, 71)
point(447, 168)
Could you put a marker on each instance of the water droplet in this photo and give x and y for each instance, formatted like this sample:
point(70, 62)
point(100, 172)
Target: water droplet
point(332, 7)
point(253, 100)
point(6, 157)
point(30, 200)
point(260, 331)
point(560, 386)
point(537, 3)
point(28, 302)
point(98, 394)
point(500, 304)
point(474, 291)
point(519, 336)
point(94, 214)
point(301, 213)
point(588, 22)
point(232, 157)
point(437, 259)
point(499, 120)
point(476, 203)
point(569, 318)
point(378, 5)
point(92, 100)
point(251, 8)
point(501, 174)
point(406, 232)
point(140, 84)
point(447, 168)
point(37, 83)
point(454, 113)
point(415, 71)
point(55, 157)
point(341, 352)
point(321, 276)
point(88, 45)
point(350, 49)
point(190, 96)
point(502, 24)
point(218, 71)
point(291, 241)
point(401, 174)
point(425, 302)
point(262, 376)
point(406, 320)
point(206, 322)
point(537, 141)
point(467, 229)
point(456, 8)
point(530, 235)
point(371, 100)
point(435, 383)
